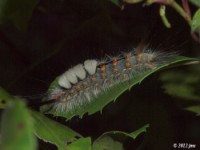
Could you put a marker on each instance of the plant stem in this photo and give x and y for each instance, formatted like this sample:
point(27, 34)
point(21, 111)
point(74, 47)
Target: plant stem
point(181, 11)
point(163, 16)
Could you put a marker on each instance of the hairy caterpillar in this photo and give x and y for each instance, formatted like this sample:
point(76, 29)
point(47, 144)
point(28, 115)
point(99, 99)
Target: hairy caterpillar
point(79, 85)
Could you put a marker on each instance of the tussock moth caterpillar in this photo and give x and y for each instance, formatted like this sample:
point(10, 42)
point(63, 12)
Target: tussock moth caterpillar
point(80, 84)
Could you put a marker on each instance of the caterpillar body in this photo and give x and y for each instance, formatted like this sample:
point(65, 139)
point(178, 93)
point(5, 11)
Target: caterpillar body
point(79, 85)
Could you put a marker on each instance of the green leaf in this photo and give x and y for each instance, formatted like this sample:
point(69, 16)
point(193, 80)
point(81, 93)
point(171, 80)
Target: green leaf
point(139, 131)
point(195, 109)
point(182, 84)
point(81, 144)
point(196, 21)
point(195, 2)
point(44, 128)
point(17, 128)
point(113, 140)
point(98, 103)
point(107, 142)
point(18, 12)
point(4, 98)
point(181, 90)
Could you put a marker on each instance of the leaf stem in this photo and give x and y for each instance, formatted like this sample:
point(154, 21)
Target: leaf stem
point(181, 11)
point(184, 13)
point(163, 16)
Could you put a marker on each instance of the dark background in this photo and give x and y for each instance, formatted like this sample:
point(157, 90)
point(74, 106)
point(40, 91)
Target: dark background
point(61, 34)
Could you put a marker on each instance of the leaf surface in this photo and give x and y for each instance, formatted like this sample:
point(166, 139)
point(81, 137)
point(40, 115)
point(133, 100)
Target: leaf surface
point(18, 12)
point(113, 140)
point(81, 144)
point(53, 132)
point(17, 128)
point(195, 109)
point(4, 97)
point(196, 21)
point(195, 2)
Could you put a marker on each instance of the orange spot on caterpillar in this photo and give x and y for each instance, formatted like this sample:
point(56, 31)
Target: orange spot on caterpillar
point(115, 70)
point(128, 57)
point(85, 84)
point(78, 87)
point(94, 79)
point(139, 57)
point(104, 75)
point(103, 67)
point(71, 91)
point(115, 62)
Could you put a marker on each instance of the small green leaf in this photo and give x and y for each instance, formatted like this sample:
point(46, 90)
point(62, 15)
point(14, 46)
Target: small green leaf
point(163, 16)
point(112, 93)
point(139, 131)
point(182, 84)
point(196, 21)
point(107, 142)
point(81, 144)
point(195, 2)
point(17, 128)
point(113, 140)
point(4, 98)
point(181, 90)
point(17, 11)
point(195, 109)
point(44, 128)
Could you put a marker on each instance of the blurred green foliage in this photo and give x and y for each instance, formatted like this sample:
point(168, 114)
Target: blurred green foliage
point(113, 140)
point(44, 128)
point(182, 84)
point(83, 143)
point(195, 2)
point(4, 97)
point(17, 127)
point(196, 21)
point(195, 109)
point(18, 12)
point(107, 142)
